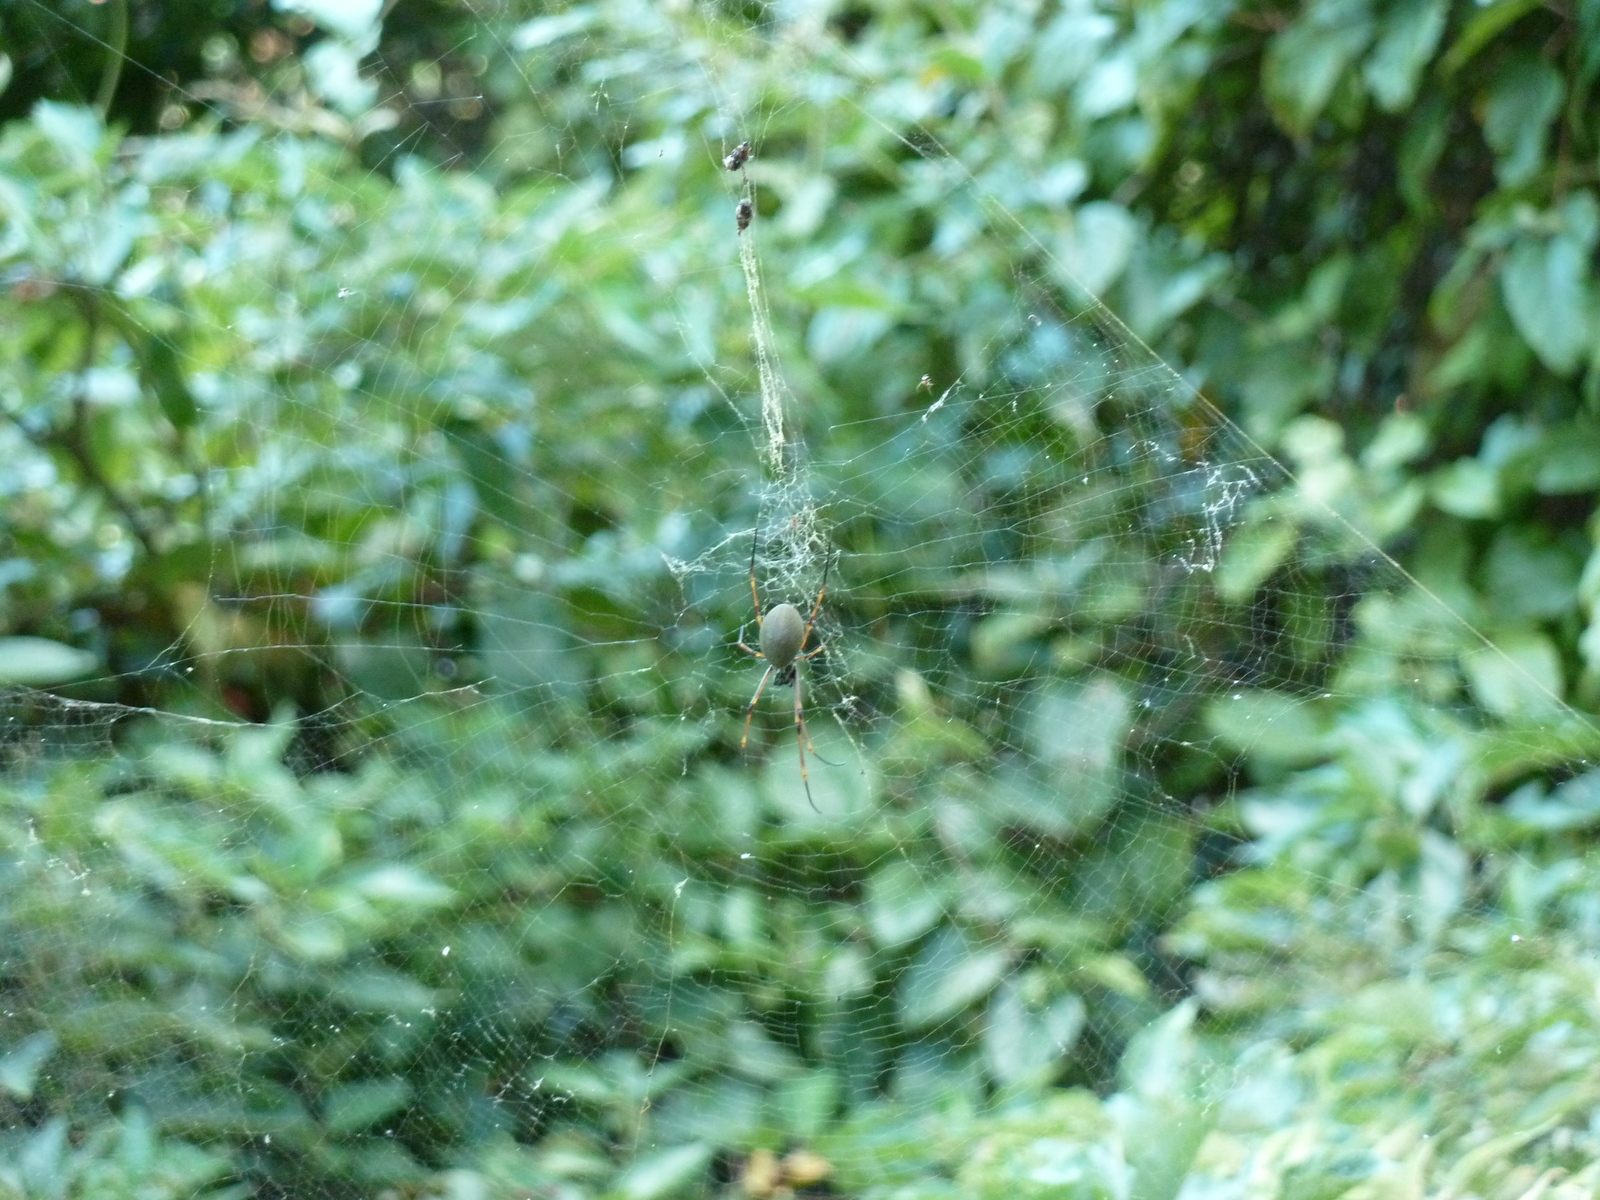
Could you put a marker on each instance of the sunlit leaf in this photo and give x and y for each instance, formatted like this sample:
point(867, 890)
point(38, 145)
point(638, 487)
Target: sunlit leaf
point(40, 662)
point(1524, 100)
point(19, 1069)
point(1407, 35)
point(1304, 63)
point(1550, 297)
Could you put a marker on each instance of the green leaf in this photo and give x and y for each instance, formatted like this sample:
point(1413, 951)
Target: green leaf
point(1407, 37)
point(543, 31)
point(1305, 62)
point(1546, 286)
point(1573, 805)
point(1277, 384)
point(350, 19)
point(1523, 101)
point(39, 662)
point(1157, 1061)
point(1421, 146)
point(1158, 1114)
point(753, 1052)
point(1473, 487)
point(1569, 460)
point(1137, 873)
point(1466, 488)
point(1531, 575)
point(841, 784)
point(838, 333)
point(1273, 726)
point(1080, 730)
point(1588, 28)
point(378, 990)
point(524, 634)
point(667, 1171)
point(1482, 29)
point(165, 377)
point(1519, 676)
point(807, 1102)
point(901, 903)
point(1005, 644)
point(1253, 552)
point(74, 130)
point(40, 1160)
point(1442, 882)
point(1163, 280)
point(950, 62)
point(1110, 85)
point(19, 1069)
point(1097, 247)
point(405, 885)
point(1061, 1149)
point(1025, 1042)
point(352, 1107)
point(1078, 733)
point(947, 976)
point(1401, 438)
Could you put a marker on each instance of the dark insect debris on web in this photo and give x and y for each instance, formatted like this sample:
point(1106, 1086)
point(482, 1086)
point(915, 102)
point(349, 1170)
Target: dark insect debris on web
point(743, 213)
point(740, 155)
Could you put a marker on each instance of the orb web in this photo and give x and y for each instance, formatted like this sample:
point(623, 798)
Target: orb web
point(424, 846)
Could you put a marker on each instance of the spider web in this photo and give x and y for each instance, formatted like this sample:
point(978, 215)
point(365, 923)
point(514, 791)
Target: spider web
point(492, 894)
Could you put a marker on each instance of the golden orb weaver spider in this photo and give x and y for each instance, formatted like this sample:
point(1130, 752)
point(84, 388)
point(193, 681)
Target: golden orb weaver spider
point(783, 646)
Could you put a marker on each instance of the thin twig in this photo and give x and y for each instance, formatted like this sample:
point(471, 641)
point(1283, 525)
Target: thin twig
point(75, 441)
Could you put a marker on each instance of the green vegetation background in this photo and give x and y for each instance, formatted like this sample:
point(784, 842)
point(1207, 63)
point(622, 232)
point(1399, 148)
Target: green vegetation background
point(432, 342)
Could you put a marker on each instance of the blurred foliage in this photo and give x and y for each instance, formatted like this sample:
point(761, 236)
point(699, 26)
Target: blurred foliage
point(257, 61)
point(371, 408)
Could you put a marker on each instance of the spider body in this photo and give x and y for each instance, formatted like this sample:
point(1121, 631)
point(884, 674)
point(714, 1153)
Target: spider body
point(741, 154)
point(743, 213)
point(784, 634)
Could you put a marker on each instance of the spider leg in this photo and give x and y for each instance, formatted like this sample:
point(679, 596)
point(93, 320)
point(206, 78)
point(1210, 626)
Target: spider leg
point(801, 737)
point(755, 540)
point(751, 711)
point(815, 608)
point(820, 647)
point(747, 650)
point(809, 746)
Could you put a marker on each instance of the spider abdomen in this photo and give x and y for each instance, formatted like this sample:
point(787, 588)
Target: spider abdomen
point(781, 636)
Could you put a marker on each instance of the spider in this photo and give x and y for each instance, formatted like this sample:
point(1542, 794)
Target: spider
point(783, 646)
point(740, 155)
point(743, 213)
